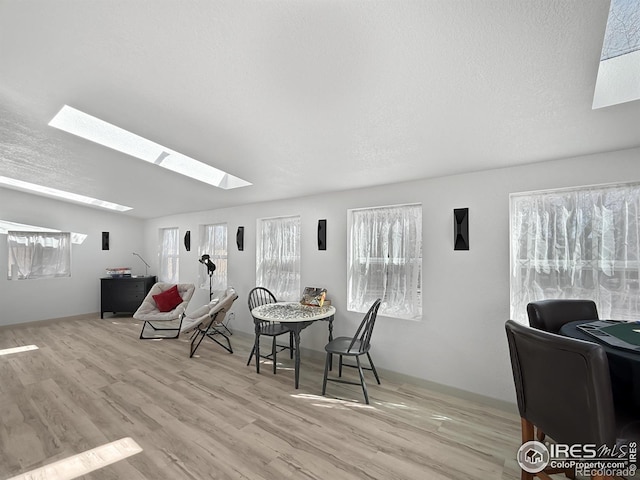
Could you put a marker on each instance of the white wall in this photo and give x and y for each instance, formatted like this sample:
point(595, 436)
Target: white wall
point(460, 342)
point(31, 300)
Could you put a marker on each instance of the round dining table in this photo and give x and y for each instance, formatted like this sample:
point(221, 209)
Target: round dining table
point(297, 317)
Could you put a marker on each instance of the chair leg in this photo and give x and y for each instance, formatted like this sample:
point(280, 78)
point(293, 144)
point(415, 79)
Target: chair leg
point(364, 385)
point(527, 435)
point(531, 432)
point(253, 350)
point(170, 329)
point(211, 334)
point(340, 366)
point(195, 343)
point(257, 354)
point(291, 345)
point(326, 372)
point(273, 354)
point(373, 368)
point(144, 324)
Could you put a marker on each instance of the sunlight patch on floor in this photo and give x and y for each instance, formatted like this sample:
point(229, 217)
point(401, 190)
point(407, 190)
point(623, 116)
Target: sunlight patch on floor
point(435, 416)
point(25, 348)
point(335, 403)
point(85, 462)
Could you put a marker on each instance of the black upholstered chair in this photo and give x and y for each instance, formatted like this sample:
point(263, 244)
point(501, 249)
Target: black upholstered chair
point(262, 296)
point(563, 387)
point(354, 347)
point(550, 315)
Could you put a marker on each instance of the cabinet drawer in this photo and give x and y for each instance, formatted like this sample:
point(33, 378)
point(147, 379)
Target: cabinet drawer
point(123, 294)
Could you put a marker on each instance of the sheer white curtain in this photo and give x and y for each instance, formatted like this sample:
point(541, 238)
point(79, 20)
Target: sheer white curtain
point(577, 243)
point(34, 255)
point(213, 242)
point(169, 255)
point(278, 257)
point(385, 260)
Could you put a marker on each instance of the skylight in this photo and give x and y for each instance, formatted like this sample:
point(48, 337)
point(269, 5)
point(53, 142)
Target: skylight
point(55, 193)
point(7, 226)
point(619, 71)
point(91, 128)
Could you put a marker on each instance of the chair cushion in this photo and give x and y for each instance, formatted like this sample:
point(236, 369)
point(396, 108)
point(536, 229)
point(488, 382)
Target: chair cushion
point(216, 309)
point(168, 300)
point(148, 310)
point(198, 316)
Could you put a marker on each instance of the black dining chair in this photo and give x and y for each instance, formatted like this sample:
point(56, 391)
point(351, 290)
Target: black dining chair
point(550, 315)
point(262, 296)
point(355, 346)
point(563, 387)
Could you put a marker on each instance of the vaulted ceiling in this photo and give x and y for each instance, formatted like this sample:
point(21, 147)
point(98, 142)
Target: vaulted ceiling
point(299, 96)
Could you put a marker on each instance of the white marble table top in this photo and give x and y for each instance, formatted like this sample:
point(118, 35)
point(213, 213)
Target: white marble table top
point(292, 312)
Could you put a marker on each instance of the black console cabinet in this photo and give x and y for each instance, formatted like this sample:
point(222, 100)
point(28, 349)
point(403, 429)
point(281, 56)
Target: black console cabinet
point(123, 294)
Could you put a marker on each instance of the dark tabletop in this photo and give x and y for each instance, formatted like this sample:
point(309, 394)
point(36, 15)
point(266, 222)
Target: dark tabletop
point(624, 366)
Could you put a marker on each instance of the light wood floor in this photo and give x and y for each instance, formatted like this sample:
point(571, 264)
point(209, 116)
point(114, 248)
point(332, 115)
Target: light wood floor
point(92, 382)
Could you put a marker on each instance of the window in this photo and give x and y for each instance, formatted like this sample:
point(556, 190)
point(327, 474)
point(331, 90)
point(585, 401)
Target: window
point(34, 255)
point(213, 242)
point(385, 260)
point(577, 243)
point(169, 255)
point(278, 257)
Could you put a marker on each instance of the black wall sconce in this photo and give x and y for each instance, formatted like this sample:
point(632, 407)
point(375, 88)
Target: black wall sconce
point(322, 234)
point(240, 238)
point(105, 240)
point(187, 240)
point(461, 229)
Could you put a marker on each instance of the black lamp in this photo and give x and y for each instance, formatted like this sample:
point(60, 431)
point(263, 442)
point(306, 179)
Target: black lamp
point(211, 267)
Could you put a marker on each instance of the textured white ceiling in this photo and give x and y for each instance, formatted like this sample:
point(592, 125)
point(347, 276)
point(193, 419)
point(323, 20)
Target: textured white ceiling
point(300, 97)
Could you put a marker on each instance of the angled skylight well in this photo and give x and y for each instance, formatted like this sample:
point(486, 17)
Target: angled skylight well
point(619, 71)
point(7, 226)
point(91, 128)
point(60, 194)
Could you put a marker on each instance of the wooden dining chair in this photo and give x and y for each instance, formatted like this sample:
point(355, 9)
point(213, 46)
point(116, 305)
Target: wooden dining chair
point(262, 296)
point(353, 347)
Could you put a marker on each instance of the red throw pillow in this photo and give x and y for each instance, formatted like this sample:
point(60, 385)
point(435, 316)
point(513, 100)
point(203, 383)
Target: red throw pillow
point(168, 300)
